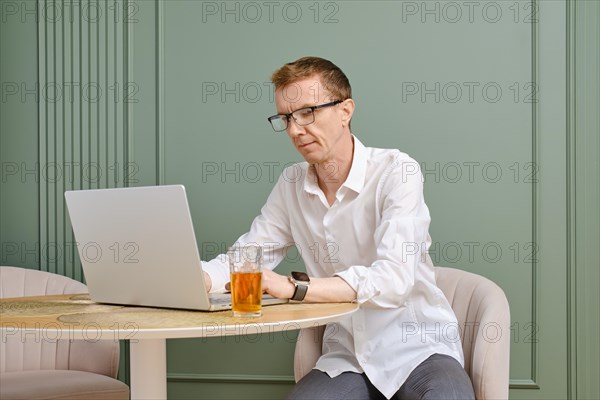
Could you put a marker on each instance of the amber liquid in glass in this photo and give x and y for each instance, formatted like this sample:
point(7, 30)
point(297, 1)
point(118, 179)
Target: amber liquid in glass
point(246, 293)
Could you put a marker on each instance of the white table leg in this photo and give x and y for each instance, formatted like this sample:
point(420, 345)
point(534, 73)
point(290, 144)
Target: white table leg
point(148, 369)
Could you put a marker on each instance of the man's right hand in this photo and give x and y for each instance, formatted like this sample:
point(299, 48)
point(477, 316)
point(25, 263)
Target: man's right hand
point(207, 281)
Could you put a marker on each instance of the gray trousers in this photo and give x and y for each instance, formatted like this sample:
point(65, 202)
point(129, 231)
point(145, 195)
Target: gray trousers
point(440, 377)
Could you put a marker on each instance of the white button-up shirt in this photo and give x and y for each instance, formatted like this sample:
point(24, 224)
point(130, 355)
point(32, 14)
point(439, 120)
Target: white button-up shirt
point(375, 237)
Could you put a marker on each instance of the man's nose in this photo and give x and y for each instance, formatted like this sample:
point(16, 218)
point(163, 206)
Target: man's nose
point(294, 129)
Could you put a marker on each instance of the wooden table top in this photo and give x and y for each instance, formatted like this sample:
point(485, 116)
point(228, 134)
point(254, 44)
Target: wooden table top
point(75, 316)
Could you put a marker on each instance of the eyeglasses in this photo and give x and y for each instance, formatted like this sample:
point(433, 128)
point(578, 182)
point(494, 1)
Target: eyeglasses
point(302, 117)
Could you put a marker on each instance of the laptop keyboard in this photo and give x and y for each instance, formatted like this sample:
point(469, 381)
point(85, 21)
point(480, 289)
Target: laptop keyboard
point(225, 298)
point(219, 298)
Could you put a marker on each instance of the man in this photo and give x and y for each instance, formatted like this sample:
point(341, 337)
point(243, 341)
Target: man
point(357, 215)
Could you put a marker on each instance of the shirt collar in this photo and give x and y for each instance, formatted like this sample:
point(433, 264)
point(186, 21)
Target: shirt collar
point(356, 177)
point(358, 170)
point(310, 181)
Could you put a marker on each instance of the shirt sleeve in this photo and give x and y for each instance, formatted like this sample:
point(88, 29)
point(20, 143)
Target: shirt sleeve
point(401, 236)
point(270, 229)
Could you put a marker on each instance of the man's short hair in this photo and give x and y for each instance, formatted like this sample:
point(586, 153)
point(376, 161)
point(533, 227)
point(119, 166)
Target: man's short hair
point(332, 77)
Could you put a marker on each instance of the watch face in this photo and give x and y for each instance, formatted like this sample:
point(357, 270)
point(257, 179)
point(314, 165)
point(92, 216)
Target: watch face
point(300, 276)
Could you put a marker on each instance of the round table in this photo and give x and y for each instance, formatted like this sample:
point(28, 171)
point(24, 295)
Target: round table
point(77, 317)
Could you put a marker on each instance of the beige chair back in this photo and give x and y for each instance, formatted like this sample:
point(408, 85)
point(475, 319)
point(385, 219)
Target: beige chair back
point(483, 315)
point(25, 351)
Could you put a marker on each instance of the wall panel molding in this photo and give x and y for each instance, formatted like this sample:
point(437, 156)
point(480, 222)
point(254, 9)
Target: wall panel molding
point(82, 121)
point(549, 312)
point(571, 209)
point(583, 225)
point(523, 384)
point(229, 378)
point(160, 94)
point(534, 201)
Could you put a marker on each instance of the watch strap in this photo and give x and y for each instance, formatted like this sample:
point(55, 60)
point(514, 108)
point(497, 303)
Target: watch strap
point(300, 292)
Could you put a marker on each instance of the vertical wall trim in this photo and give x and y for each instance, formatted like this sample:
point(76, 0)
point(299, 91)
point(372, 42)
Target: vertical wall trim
point(531, 383)
point(534, 188)
point(106, 120)
point(53, 221)
point(571, 172)
point(585, 152)
point(127, 85)
point(160, 120)
point(127, 139)
point(66, 138)
point(78, 153)
point(41, 27)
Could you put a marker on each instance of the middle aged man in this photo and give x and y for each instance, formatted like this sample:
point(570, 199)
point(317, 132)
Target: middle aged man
point(357, 215)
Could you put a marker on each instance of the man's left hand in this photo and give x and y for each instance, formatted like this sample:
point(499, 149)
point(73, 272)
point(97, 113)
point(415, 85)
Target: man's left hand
point(277, 285)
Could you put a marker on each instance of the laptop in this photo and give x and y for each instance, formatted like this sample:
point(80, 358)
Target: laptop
point(137, 247)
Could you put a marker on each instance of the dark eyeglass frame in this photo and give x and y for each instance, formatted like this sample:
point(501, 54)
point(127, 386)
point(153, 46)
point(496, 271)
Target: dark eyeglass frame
point(286, 117)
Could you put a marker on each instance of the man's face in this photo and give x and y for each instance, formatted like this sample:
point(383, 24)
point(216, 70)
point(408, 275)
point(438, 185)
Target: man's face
point(316, 142)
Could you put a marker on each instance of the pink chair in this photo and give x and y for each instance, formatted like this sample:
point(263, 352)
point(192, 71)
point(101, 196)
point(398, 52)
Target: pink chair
point(483, 314)
point(31, 368)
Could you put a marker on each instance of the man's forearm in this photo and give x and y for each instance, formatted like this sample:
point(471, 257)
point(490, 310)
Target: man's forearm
point(329, 290)
point(320, 290)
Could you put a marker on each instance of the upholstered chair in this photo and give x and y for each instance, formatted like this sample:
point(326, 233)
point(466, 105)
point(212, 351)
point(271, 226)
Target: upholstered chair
point(483, 315)
point(33, 368)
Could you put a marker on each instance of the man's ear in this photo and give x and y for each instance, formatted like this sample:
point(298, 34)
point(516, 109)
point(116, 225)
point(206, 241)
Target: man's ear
point(347, 111)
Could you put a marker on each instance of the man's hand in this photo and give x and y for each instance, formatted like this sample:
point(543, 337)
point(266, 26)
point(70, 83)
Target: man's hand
point(277, 285)
point(207, 281)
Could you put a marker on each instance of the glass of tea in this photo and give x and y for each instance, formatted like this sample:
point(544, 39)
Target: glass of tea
point(245, 265)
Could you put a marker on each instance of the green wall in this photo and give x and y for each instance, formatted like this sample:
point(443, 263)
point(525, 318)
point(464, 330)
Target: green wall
point(497, 100)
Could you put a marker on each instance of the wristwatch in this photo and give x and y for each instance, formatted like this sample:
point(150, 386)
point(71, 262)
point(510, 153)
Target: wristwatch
point(301, 281)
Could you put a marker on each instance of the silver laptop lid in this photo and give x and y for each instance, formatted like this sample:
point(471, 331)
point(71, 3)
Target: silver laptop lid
point(137, 246)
